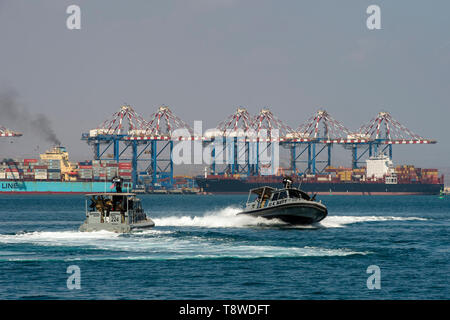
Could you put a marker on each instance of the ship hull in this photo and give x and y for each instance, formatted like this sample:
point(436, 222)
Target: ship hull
point(229, 186)
point(52, 187)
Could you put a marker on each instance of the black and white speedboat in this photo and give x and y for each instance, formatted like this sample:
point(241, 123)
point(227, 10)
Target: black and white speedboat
point(290, 205)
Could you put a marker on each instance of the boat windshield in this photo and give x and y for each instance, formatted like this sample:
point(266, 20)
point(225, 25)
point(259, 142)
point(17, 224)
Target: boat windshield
point(282, 195)
point(293, 193)
point(290, 193)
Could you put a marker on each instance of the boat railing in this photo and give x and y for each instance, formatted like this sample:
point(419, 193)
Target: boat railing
point(116, 217)
point(285, 200)
point(107, 217)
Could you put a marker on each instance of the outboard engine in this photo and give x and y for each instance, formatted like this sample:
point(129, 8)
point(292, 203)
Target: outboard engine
point(287, 182)
point(118, 184)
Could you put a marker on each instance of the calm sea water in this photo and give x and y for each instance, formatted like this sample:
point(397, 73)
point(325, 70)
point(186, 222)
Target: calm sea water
point(201, 250)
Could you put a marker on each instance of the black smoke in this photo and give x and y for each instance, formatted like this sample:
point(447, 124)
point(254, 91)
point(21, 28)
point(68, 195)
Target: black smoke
point(16, 117)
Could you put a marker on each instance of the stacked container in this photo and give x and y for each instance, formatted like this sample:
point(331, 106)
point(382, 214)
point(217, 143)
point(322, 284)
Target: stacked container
point(85, 171)
point(104, 170)
point(430, 175)
point(13, 174)
point(125, 169)
point(111, 170)
point(40, 171)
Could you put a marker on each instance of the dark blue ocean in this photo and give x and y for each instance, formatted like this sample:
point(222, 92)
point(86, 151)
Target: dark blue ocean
point(201, 250)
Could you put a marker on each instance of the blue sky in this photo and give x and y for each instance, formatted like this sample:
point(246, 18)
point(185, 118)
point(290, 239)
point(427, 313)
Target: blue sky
point(205, 58)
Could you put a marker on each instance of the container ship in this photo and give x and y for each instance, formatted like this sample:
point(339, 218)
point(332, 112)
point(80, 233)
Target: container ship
point(54, 173)
point(379, 177)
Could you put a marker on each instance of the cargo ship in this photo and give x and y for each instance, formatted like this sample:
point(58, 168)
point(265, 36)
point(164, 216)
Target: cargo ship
point(379, 177)
point(53, 173)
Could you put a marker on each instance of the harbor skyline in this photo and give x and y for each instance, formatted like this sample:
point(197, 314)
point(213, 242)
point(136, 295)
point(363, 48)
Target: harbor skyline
point(170, 53)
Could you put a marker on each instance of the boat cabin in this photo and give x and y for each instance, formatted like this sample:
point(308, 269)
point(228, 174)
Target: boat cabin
point(267, 197)
point(115, 208)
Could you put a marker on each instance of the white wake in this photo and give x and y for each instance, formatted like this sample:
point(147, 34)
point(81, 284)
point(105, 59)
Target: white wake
point(342, 221)
point(224, 218)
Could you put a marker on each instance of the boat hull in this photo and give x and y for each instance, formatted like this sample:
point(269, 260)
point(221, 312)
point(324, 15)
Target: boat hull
point(118, 228)
point(294, 213)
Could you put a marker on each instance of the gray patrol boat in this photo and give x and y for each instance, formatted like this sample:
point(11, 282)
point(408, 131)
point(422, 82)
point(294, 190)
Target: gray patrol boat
point(119, 212)
point(289, 204)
